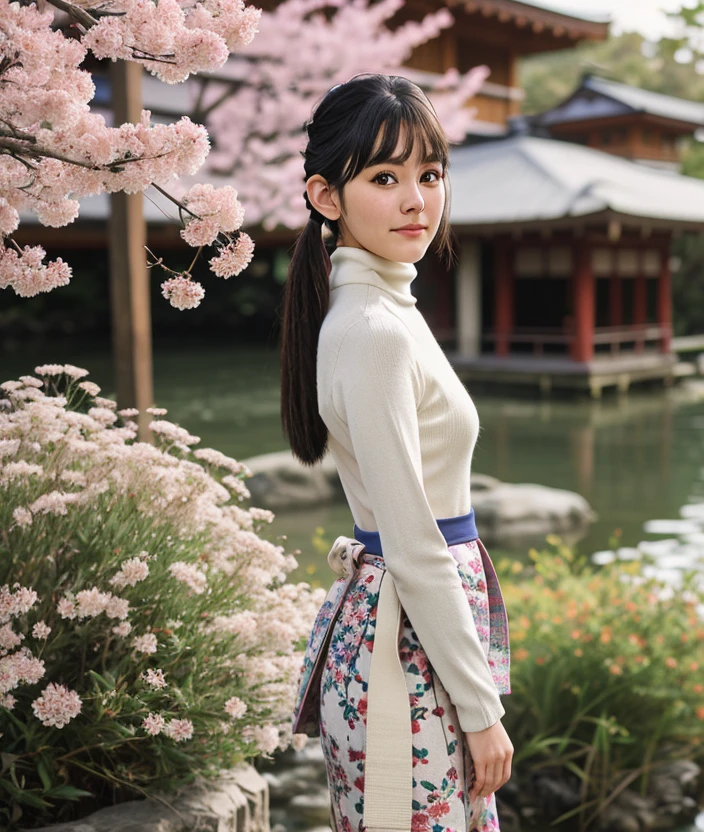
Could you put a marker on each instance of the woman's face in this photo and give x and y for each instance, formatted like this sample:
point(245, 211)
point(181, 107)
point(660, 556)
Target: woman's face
point(383, 200)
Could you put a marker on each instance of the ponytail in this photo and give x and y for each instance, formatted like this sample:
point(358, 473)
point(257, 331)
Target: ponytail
point(306, 301)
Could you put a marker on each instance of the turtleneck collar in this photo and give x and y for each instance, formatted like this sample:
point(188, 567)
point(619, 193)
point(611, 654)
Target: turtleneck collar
point(357, 265)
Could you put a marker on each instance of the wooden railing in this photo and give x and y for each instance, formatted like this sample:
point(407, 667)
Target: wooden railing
point(614, 337)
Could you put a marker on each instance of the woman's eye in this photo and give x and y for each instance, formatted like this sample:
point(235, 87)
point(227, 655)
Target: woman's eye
point(380, 176)
point(436, 173)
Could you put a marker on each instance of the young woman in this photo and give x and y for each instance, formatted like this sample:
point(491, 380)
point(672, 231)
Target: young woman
point(410, 714)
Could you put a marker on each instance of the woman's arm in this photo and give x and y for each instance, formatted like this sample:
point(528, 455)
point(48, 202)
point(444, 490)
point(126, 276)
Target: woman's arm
point(376, 390)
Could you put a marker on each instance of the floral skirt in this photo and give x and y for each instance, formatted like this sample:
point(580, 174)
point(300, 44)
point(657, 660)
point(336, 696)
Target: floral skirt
point(442, 767)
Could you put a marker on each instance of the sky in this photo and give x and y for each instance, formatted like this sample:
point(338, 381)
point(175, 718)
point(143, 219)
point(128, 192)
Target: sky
point(643, 16)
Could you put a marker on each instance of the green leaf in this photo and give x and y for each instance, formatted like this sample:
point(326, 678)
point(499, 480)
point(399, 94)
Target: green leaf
point(44, 774)
point(68, 792)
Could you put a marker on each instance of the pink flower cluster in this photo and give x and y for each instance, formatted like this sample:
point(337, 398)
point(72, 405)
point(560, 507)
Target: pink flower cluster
point(234, 257)
point(27, 273)
point(57, 705)
point(217, 210)
point(43, 440)
point(199, 40)
point(70, 152)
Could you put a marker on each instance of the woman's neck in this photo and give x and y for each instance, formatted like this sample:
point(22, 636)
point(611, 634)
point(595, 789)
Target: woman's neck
point(358, 265)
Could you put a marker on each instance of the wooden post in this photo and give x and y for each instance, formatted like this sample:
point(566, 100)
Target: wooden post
point(665, 301)
point(584, 304)
point(129, 281)
point(503, 299)
point(468, 301)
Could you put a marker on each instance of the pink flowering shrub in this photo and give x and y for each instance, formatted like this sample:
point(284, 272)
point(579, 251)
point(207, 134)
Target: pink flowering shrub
point(147, 631)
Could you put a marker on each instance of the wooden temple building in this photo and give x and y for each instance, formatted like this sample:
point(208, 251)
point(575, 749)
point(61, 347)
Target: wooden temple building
point(564, 219)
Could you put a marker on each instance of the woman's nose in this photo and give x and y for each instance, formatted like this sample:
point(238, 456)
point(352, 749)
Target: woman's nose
point(413, 202)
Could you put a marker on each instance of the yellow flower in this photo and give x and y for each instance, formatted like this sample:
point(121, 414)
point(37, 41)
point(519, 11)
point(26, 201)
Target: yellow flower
point(524, 621)
point(553, 539)
point(520, 654)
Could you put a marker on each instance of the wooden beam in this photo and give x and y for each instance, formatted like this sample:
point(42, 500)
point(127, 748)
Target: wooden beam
point(129, 281)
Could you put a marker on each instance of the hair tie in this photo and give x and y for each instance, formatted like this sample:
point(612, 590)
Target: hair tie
point(315, 215)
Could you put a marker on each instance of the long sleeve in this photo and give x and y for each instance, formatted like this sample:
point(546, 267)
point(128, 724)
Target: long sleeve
point(376, 388)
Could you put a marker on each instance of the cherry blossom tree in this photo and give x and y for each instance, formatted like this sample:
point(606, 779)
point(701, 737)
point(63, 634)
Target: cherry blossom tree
point(253, 94)
point(256, 105)
point(54, 150)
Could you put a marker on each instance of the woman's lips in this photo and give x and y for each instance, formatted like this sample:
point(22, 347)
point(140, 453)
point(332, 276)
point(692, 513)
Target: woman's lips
point(410, 232)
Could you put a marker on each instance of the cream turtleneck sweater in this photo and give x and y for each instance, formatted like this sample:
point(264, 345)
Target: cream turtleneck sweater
point(402, 429)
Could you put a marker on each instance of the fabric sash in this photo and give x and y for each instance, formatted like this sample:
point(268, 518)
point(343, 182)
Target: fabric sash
point(388, 765)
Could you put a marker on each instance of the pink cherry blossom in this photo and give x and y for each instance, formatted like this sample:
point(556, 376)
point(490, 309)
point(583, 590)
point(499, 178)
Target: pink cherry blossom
point(182, 292)
point(234, 257)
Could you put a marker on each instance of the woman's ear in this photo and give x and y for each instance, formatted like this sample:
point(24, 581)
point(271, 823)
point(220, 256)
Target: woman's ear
point(324, 199)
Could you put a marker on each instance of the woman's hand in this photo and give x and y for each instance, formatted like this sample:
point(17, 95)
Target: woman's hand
point(491, 752)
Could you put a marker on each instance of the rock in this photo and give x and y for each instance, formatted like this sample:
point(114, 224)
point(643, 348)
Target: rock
point(299, 779)
point(508, 817)
point(280, 482)
point(630, 801)
point(515, 515)
point(507, 514)
point(311, 809)
point(686, 773)
point(237, 800)
point(614, 819)
point(679, 813)
point(555, 794)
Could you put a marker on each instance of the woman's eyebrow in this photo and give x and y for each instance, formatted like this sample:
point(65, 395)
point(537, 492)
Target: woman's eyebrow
point(398, 162)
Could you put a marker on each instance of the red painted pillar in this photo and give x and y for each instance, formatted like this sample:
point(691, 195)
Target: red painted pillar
point(665, 301)
point(503, 297)
point(584, 304)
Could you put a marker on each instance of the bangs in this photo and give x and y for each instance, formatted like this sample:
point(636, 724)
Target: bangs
point(379, 128)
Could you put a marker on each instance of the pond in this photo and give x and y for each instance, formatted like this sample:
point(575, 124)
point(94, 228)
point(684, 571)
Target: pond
point(638, 460)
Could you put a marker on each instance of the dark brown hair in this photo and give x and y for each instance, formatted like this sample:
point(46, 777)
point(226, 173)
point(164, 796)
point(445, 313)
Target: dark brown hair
point(356, 125)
